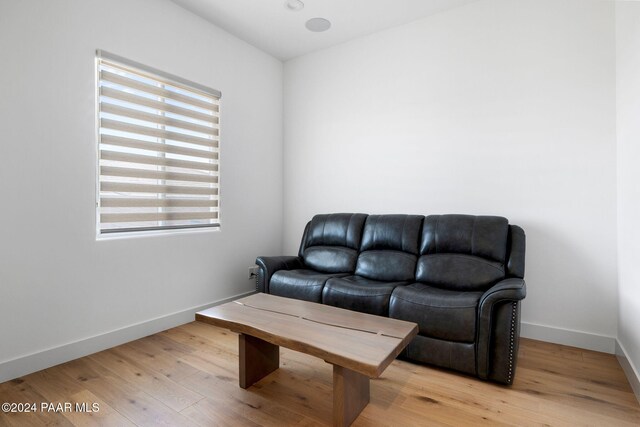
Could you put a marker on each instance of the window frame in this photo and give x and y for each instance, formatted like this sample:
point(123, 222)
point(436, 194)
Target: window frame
point(163, 79)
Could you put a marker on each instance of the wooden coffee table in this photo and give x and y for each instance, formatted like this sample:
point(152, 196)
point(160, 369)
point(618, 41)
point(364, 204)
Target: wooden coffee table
point(359, 346)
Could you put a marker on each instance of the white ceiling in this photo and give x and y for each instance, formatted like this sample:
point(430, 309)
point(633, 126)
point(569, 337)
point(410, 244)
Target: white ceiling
point(268, 25)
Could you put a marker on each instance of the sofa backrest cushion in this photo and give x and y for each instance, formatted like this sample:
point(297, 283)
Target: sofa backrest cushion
point(459, 272)
point(331, 241)
point(463, 252)
point(482, 236)
point(389, 248)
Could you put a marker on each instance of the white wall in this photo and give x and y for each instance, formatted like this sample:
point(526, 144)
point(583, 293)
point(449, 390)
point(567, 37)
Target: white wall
point(628, 131)
point(499, 107)
point(58, 285)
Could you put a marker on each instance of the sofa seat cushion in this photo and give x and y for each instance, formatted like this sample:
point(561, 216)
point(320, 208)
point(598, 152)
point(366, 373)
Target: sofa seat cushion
point(359, 294)
point(440, 313)
point(300, 284)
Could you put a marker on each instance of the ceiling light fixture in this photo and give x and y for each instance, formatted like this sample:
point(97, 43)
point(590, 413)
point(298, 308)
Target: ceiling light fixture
point(294, 5)
point(317, 25)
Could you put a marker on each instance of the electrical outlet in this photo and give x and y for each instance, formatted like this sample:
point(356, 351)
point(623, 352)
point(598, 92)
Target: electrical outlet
point(253, 272)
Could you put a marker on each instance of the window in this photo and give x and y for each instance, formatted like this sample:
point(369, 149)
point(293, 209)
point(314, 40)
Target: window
point(158, 149)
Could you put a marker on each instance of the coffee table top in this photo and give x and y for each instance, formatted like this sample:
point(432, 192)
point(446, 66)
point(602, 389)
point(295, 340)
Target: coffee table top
point(361, 342)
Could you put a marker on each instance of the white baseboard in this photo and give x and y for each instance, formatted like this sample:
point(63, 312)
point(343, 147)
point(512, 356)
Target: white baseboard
point(569, 337)
point(629, 369)
point(45, 359)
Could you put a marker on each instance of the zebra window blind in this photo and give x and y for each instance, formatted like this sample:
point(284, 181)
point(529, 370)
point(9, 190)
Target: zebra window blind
point(158, 149)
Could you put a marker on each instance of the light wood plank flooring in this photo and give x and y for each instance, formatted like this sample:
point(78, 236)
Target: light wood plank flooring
point(188, 376)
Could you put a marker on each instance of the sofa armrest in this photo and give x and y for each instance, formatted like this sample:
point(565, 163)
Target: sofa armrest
point(499, 304)
point(506, 290)
point(269, 265)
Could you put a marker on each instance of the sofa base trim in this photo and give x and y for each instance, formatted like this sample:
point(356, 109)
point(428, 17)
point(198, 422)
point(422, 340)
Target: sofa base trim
point(37, 361)
point(568, 337)
point(631, 371)
point(512, 343)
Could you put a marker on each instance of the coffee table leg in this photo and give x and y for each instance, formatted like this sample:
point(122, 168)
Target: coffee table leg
point(350, 395)
point(258, 358)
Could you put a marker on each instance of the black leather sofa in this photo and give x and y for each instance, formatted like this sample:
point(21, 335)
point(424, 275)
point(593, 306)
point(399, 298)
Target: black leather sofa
point(459, 277)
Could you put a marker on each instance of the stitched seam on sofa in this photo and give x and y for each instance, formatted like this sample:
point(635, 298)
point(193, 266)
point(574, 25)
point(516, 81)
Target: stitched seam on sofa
point(365, 232)
point(338, 248)
point(362, 230)
point(404, 226)
point(404, 254)
point(375, 232)
point(359, 296)
point(313, 275)
point(473, 234)
point(346, 232)
point(298, 274)
point(307, 286)
point(436, 232)
point(324, 225)
point(473, 258)
point(435, 306)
